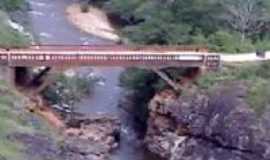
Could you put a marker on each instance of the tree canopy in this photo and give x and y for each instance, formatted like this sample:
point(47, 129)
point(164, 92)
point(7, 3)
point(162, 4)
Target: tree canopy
point(223, 25)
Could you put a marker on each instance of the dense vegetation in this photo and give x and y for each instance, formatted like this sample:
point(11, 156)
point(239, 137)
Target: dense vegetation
point(13, 119)
point(8, 36)
point(254, 75)
point(11, 5)
point(223, 25)
point(66, 91)
point(231, 26)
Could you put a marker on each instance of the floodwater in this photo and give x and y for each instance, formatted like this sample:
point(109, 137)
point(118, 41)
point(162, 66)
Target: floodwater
point(50, 26)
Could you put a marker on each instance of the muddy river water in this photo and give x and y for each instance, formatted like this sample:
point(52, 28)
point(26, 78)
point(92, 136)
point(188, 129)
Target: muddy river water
point(50, 26)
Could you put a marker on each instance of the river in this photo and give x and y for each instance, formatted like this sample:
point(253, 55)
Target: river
point(50, 26)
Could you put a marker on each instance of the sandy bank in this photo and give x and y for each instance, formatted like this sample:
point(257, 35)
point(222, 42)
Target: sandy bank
point(94, 22)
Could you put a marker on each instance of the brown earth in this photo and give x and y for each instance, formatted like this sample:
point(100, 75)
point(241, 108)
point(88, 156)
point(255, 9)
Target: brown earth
point(94, 22)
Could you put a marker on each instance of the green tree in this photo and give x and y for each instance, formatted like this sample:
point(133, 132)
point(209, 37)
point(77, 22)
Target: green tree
point(11, 5)
point(248, 17)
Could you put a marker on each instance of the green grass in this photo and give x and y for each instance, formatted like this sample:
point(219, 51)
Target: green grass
point(8, 36)
point(255, 75)
point(11, 121)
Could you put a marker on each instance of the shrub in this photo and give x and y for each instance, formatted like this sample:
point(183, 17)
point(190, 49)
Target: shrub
point(222, 41)
point(9, 37)
point(263, 44)
point(259, 94)
point(68, 90)
point(142, 82)
point(137, 79)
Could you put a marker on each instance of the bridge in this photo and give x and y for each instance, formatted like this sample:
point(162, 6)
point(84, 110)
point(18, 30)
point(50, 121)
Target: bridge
point(51, 56)
point(21, 60)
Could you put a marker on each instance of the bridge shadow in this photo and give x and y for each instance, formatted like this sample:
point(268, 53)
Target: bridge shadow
point(28, 79)
point(32, 79)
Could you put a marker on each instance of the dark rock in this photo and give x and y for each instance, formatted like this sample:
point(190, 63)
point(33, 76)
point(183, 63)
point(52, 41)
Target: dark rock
point(93, 140)
point(38, 145)
point(2, 157)
point(216, 126)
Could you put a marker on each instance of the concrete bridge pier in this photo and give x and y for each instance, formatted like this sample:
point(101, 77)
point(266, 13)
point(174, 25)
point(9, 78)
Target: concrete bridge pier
point(189, 75)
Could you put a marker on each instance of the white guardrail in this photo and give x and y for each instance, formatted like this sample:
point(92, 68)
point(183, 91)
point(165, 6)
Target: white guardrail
point(244, 57)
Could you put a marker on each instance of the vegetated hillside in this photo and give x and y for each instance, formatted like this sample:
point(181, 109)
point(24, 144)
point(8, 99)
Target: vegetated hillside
point(254, 75)
point(223, 25)
point(15, 121)
point(9, 37)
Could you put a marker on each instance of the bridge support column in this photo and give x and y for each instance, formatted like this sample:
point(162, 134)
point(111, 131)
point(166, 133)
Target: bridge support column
point(170, 82)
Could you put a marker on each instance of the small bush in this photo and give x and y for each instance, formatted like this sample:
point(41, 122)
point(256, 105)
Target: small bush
point(68, 90)
point(259, 94)
point(222, 41)
point(263, 44)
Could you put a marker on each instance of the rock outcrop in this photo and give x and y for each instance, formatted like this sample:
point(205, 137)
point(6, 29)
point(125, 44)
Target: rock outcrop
point(208, 126)
point(93, 139)
point(2, 157)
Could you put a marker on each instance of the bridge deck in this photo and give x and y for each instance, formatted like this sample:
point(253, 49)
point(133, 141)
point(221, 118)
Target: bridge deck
point(108, 56)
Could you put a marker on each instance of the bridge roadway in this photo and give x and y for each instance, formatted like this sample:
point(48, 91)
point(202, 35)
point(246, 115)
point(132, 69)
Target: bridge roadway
point(109, 56)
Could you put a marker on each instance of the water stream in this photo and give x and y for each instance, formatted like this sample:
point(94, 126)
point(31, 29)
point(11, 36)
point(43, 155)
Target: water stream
point(50, 26)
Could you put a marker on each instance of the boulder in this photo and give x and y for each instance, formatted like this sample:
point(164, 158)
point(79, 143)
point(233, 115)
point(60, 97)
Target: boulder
point(219, 126)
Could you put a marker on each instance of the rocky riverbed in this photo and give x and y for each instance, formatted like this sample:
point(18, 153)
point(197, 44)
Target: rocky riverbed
point(88, 139)
point(219, 125)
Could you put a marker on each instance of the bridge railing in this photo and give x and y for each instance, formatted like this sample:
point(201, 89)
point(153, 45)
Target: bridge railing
point(210, 61)
point(109, 55)
point(105, 59)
